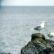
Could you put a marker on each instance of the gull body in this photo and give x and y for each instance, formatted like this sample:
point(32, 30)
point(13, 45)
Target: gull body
point(51, 34)
point(42, 25)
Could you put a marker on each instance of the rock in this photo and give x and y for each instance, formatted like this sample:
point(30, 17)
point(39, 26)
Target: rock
point(38, 45)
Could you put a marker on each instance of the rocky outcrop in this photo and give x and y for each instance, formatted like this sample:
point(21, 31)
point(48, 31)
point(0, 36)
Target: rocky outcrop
point(38, 45)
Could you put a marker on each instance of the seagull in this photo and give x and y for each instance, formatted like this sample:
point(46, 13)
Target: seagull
point(42, 25)
point(50, 34)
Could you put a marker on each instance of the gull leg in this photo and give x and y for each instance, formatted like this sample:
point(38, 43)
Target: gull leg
point(39, 31)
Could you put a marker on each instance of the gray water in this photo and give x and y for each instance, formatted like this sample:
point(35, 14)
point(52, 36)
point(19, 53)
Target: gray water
point(16, 24)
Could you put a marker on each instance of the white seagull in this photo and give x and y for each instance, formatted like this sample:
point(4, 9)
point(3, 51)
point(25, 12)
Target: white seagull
point(41, 26)
point(51, 34)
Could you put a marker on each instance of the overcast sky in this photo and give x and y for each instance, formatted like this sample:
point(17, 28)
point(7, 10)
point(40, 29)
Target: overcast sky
point(27, 2)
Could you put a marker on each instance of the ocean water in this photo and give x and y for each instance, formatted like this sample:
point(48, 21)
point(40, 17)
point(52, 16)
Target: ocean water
point(16, 25)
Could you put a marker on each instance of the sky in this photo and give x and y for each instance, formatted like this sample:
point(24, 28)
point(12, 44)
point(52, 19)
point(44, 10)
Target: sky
point(28, 3)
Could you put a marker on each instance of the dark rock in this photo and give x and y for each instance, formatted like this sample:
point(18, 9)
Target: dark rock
point(38, 45)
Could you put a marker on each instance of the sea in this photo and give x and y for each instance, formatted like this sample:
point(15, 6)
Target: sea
point(17, 23)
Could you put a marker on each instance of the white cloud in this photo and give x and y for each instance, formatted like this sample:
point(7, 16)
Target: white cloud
point(27, 2)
